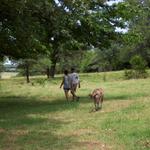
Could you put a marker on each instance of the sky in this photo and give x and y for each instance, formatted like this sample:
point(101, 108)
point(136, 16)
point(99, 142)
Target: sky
point(109, 3)
point(7, 62)
point(114, 2)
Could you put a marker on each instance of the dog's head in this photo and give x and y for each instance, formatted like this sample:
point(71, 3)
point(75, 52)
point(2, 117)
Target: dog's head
point(98, 91)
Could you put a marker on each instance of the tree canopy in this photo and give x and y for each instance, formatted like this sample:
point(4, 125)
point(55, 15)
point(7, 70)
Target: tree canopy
point(60, 28)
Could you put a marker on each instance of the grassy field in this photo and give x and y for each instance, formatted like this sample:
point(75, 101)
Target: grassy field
point(37, 117)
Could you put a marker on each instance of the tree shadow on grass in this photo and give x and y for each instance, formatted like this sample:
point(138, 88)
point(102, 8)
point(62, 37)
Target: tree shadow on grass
point(20, 134)
point(11, 103)
point(24, 124)
point(18, 110)
point(15, 111)
point(45, 139)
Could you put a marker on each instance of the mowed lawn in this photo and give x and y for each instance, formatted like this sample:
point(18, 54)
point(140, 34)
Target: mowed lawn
point(37, 117)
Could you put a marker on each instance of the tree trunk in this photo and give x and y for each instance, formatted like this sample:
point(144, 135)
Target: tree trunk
point(27, 73)
point(52, 69)
point(54, 58)
point(48, 72)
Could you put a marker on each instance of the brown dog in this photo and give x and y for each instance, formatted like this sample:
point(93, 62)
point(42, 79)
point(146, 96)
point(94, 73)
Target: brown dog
point(97, 95)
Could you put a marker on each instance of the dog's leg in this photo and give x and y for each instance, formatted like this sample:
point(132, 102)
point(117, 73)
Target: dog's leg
point(98, 105)
point(95, 103)
point(102, 98)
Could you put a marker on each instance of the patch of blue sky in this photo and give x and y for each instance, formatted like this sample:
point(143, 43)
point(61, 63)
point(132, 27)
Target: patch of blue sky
point(111, 2)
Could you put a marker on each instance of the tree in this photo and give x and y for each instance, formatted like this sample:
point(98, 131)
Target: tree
point(25, 66)
point(42, 65)
point(19, 30)
point(77, 25)
point(30, 28)
point(138, 37)
point(87, 58)
point(139, 67)
point(1, 68)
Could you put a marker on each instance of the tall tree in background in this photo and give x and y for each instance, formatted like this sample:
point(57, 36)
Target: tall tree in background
point(19, 33)
point(138, 37)
point(78, 25)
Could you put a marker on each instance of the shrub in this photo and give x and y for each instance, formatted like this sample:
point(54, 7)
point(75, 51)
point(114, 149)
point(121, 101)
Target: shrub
point(128, 74)
point(139, 66)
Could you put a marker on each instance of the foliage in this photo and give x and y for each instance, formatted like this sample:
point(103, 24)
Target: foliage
point(69, 60)
point(19, 30)
point(137, 39)
point(138, 63)
point(55, 27)
point(108, 58)
point(87, 59)
point(139, 66)
point(25, 67)
point(35, 67)
point(80, 61)
point(64, 30)
point(1, 68)
point(41, 64)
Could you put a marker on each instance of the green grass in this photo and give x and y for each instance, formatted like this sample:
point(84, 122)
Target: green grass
point(37, 117)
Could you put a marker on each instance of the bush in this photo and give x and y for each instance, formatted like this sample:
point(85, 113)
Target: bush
point(128, 74)
point(139, 66)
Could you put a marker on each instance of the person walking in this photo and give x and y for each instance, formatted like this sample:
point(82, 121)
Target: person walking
point(66, 84)
point(74, 83)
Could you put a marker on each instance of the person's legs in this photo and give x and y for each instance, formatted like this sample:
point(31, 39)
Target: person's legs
point(73, 95)
point(73, 90)
point(66, 94)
